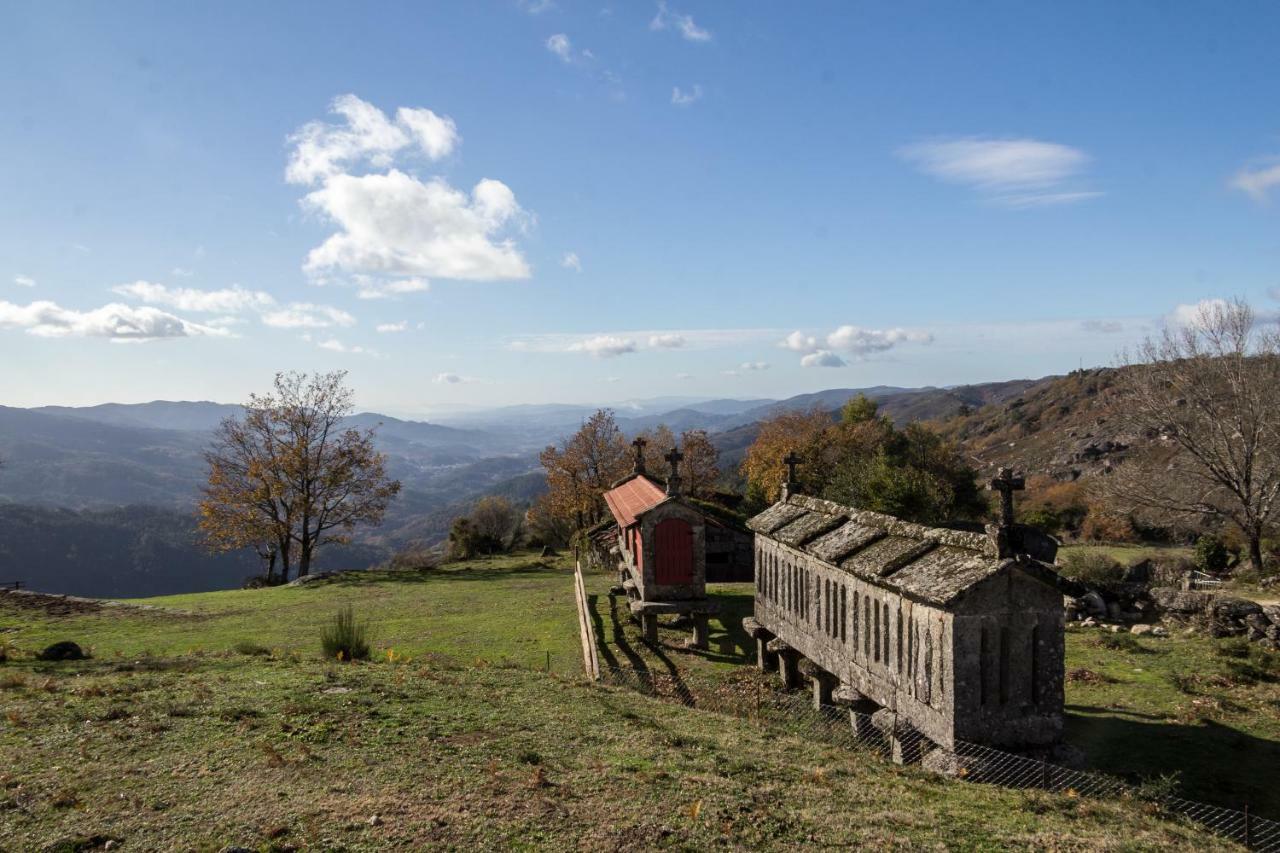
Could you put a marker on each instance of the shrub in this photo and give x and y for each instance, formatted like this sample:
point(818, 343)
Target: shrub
point(345, 639)
point(1211, 554)
point(1091, 566)
point(245, 647)
point(415, 558)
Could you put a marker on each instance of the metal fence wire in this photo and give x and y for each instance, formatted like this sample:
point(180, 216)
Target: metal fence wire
point(796, 714)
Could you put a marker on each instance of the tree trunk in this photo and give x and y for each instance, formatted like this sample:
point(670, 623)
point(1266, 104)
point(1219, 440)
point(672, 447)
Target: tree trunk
point(284, 561)
point(1255, 550)
point(304, 556)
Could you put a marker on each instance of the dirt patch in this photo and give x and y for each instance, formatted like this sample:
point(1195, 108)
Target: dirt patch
point(71, 605)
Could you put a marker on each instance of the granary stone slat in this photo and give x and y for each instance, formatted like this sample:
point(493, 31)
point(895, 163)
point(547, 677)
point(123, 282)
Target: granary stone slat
point(883, 556)
point(808, 527)
point(849, 537)
point(777, 516)
point(944, 573)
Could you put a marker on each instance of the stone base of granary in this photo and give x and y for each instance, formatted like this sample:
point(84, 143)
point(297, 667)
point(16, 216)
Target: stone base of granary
point(766, 661)
point(824, 683)
point(906, 744)
point(698, 610)
point(947, 763)
point(788, 663)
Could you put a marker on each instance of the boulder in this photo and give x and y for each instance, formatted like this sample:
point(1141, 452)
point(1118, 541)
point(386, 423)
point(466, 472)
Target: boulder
point(1180, 603)
point(1093, 604)
point(1230, 617)
point(1140, 630)
point(65, 650)
point(1114, 613)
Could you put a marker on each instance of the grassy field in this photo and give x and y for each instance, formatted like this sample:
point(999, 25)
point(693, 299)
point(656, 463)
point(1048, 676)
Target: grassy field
point(171, 738)
point(1127, 555)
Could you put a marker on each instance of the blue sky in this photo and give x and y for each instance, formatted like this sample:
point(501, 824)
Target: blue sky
point(581, 202)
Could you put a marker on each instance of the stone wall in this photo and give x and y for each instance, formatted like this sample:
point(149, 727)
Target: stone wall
point(730, 555)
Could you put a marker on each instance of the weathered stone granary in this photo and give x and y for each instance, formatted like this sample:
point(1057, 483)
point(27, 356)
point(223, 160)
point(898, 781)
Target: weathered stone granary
point(943, 633)
point(661, 543)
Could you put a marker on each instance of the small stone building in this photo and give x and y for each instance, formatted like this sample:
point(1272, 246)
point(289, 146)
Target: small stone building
point(943, 633)
point(661, 546)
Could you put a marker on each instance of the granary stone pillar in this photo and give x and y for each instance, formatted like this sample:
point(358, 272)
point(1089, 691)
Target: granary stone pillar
point(860, 710)
point(905, 742)
point(766, 660)
point(701, 632)
point(823, 683)
point(788, 663)
point(649, 627)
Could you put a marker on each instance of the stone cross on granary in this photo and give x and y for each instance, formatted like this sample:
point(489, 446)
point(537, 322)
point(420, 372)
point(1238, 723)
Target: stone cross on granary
point(1006, 484)
point(673, 479)
point(791, 486)
point(637, 466)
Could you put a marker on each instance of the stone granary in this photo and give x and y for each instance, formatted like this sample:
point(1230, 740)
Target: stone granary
point(661, 545)
point(922, 632)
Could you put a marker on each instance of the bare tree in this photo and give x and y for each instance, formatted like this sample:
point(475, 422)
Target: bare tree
point(289, 475)
point(1209, 390)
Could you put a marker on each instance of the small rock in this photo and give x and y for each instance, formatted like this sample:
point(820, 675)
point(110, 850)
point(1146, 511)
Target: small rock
point(376, 820)
point(1116, 629)
point(1093, 604)
point(1140, 630)
point(1159, 631)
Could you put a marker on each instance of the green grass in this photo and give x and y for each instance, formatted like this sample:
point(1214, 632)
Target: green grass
point(503, 609)
point(227, 727)
point(1127, 555)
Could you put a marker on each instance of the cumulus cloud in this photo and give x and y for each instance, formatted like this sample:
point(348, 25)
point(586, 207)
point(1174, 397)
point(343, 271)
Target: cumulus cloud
point(852, 340)
point(604, 346)
point(822, 358)
point(116, 322)
point(571, 261)
point(536, 7)
point(231, 300)
point(1011, 172)
point(392, 328)
point(560, 45)
point(1258, 181)
point(366, 135)
point(452, 379)
point(669, 340)
point(182, 272)
point(391, 224)
point(304, 315)
point(24, 280)
point(683, 24)
point(394, 224)
point(682, 98)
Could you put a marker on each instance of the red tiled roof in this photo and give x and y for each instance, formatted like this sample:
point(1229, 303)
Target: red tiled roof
point(632, 498)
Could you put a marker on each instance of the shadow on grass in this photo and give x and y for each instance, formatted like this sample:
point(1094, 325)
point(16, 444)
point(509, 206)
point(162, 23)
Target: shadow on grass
point(469, 573)
point(1214, 763)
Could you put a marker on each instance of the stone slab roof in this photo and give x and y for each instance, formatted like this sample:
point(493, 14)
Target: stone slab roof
point(929, 564)
point(633, 497)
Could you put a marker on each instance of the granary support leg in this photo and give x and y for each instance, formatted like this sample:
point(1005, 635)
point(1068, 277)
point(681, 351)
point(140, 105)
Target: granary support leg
point(823, 683)
point(860, 710)
point(788, 663)
point(766, 660)
point(649, 627)
point(701, 631)
point(904, 741)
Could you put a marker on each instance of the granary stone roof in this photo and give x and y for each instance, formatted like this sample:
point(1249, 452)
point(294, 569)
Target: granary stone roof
point(633, 497)
point(929, 564)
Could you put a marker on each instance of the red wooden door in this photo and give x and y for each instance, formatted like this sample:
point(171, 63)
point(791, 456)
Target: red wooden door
point(674, 558)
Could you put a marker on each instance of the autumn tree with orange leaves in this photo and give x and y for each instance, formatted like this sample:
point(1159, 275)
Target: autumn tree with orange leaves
point(287, 478)
point(581, 467)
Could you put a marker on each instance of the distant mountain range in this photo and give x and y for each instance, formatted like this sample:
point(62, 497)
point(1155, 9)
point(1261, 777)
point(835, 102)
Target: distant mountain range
point(78, 482)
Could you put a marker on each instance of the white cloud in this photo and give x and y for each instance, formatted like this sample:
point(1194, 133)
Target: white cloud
point(560, 45)
point(754, 365)
point(681, 98)
point(536, 7)
point(799, 342)
point(1258, 181)
point(452, 379)
point(859, 341)
point(124, 323)
point(392, 328)
point(1011, 172)
point(304, 315)
point(822, 358)
point(335, 345)
point(604, 346)
point(182, 272)
point(694, 339)
point(684, 24)
point(374, 288)
point(24, 281)
point(366, 135)
point(232, 300)
point(669, 340)
point(571, 261)
point(394, 224)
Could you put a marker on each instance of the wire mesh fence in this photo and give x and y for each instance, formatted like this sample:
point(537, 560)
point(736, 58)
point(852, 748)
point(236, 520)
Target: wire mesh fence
point(883, 737)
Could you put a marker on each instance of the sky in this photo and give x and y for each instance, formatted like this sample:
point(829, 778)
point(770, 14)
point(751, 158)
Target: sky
point(532, 201)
